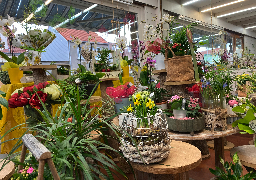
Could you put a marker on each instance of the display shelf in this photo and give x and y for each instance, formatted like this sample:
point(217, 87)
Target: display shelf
point(47, 67)
point(229, 145)
point(179, 83)
point(159, 71)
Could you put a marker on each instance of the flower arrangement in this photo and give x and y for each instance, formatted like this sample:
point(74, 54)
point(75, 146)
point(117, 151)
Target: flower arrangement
point(30, 95)
point(144, 107)
point(241, 79)
point(122, 91)
point(103, 64)
point(35, 41)
point(159, 93)
point(191, 105)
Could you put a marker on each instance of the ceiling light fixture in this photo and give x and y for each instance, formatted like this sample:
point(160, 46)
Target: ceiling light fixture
point(37, 10)
point(223, 5)
point(235, 12)
point(75, 16)
point(250, 27)
point(190, 2)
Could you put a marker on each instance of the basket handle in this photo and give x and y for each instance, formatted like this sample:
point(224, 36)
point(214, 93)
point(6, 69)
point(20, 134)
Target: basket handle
point(166, 52)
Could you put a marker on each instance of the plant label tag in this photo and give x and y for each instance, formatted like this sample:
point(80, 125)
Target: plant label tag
point(252, 125)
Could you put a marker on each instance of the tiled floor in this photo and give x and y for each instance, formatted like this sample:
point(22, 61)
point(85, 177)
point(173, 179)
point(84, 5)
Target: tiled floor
point(202, 171)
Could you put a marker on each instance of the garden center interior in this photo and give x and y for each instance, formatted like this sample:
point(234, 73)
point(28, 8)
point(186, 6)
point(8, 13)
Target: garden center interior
point(127, 89)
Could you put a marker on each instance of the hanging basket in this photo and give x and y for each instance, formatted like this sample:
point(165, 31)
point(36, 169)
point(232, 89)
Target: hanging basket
point(153, 143)
point(179, 68)
point(86, 55)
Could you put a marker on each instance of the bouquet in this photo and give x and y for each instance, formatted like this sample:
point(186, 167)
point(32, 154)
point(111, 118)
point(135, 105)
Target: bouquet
point(32, 97)
point(122, 91)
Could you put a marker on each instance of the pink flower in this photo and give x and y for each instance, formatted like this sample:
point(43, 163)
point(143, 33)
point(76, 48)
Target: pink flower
point(21, 170)
point(193, 105)
point(232, 102)
point(30, 170)
point(158, 85)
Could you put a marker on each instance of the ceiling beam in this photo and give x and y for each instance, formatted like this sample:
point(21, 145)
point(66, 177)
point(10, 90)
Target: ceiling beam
point(95, 19)
point(245, 22)
point(236, 9)
point(48, 12)
point(241, 16)
point(214, 4)
point(65, 11)
point(8, 7)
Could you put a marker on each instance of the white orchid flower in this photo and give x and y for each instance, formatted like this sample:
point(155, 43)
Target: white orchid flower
point(74, 46)
point(77, 81)
point(14, 30)
point(152, 94)
point(10, 21)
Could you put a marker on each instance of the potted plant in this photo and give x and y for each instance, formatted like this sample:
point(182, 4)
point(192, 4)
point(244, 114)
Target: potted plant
point(150, 142)
point(111, 70)
point(121, 95)
point(233, 170)
point(186, 116)
point(85, 80)
point(241, 83)
point(12, 66)
point(159, 94)
point(62, 73)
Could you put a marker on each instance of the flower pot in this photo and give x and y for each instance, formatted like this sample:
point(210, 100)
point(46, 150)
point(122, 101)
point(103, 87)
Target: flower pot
point(122, 104)
point(125, 71)
point(190, 125)
point(179, 114)
point(15, 75)
point(164, 105)
point(90, 89)
point(180, 68)
point(160, 62)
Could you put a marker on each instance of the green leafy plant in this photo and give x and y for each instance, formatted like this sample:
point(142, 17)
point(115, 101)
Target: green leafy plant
point(243, 124)
point(103, 64)
point(234, 171)
point(62, 71)
point(17, 60)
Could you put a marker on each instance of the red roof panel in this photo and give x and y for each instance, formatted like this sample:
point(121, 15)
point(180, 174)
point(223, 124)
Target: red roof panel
point(81, 34)
point(15, 50)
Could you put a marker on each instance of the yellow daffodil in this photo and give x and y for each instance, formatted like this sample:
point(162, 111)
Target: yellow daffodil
point(130, 108)
point(138, 96)
point(137, 103)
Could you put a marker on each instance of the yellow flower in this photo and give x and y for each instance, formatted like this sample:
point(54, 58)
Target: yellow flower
point(37, 60)
point(130, 108)
point(144, 68)
point(123, 63)
point(9, 65)
point(136, 68)
point(26, 59)
point(137, 102)
point(138, 96)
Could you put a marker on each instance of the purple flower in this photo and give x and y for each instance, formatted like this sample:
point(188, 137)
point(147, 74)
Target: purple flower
point(225, 85)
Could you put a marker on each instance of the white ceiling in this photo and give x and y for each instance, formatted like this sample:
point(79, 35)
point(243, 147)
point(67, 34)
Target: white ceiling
point(244, 19)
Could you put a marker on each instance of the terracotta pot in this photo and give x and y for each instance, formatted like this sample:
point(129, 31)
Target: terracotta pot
point(242, 92)
point(15, 75)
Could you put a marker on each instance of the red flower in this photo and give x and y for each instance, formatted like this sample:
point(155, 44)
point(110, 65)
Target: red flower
point(18, 100)
point(35, 102)
point(199, 63)
point(42, 85)
point(70, 119)
point(158, 85)
point(30, 88)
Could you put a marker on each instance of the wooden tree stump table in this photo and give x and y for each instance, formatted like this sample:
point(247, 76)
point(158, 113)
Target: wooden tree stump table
point(39, 72)
point(247, 156)
point(218, 137)
point(182, 158)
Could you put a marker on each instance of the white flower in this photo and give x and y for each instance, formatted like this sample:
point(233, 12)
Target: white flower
point(94, 53)
point(151, 95)
point(17, 90)
point(78, 41)
point(167, 18)
point(10, 21)
point(78, 81)
point(88, 44)
point(53, 91)
point(95, 46)
point(74, 46)
point(83, 47)
point(14, 30)
point(121, 42)
point(155, 81)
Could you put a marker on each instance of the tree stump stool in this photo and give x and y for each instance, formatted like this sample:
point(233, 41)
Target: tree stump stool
point(182, 158)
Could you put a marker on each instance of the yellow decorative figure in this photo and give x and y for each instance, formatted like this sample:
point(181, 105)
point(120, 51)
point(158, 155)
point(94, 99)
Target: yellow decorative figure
point(15, 75)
